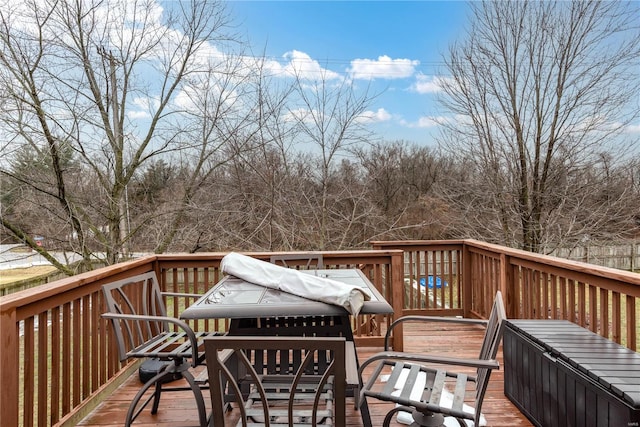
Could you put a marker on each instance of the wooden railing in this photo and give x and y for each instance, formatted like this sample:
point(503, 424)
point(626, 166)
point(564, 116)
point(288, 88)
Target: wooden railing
point(55, 375)
point(604, 300)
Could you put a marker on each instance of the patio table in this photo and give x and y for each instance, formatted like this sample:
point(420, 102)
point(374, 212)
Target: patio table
point(257, 310)
point(235, 299)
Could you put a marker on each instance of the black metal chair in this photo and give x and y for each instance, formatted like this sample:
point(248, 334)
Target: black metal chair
point(136, 310)
point(417, 384)
point(314, 260)
point(304, 386)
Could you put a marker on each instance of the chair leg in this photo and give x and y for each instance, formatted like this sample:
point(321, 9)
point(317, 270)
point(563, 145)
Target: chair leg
point(363, 407)
point(156, 398)
point(197, 393)
point(155, 381)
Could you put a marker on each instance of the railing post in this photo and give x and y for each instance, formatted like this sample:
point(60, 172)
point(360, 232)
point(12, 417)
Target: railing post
point(507, 286)
point(397, 286)
point(9, 367)
point(467, 297)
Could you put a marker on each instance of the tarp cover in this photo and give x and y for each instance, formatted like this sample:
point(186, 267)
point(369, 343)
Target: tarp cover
point(294, 282)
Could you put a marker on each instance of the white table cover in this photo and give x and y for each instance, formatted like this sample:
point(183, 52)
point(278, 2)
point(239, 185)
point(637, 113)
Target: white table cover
point(294, 282)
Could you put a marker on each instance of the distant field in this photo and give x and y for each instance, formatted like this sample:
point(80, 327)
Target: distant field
point(16, 274)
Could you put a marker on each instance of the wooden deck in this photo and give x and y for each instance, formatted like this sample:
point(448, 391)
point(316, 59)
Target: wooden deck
point(178, 409)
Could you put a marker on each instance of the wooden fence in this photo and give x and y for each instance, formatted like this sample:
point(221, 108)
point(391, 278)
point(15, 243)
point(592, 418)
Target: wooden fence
point(623, 256)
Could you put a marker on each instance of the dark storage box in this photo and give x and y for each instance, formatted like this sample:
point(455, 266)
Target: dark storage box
point(560, 374)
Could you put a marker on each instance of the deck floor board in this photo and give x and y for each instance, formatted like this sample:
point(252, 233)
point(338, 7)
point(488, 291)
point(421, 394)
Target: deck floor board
point(178, 409)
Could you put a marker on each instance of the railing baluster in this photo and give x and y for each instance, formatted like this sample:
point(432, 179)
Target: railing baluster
point(631, 322)
point(29, 371)
point(616, 317)
point(76, 336)
point(553, 280)
point(95, 341)
point(43, 368)
point(86, 345)
point(55, 364)
point(593, 309)
point(605, 329)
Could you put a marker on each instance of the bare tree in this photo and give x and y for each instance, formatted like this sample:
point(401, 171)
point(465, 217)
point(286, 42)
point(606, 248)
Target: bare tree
point(539, 91)
point(401, 179)
point(102, 77)
point(298, 191)
point(227, 117)
point(331, 121)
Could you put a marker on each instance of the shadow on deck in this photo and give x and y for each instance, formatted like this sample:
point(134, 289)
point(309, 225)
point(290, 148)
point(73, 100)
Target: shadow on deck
point(178, 409)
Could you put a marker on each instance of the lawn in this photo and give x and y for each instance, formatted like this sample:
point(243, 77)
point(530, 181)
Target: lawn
point(18, 274)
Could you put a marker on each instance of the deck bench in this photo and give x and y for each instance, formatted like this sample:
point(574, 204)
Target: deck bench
point(560, 374)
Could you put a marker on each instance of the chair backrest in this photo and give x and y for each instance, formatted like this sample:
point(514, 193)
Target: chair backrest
point(304, 260)
point(227, 356)
point(490, 345)
point(136, 295)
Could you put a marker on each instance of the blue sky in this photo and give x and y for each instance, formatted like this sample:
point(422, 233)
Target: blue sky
point(398, 43)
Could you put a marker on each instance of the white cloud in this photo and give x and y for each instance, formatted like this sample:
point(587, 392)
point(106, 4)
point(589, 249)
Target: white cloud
point(428, 84)
point(145, 107)
point(381, 115)
point(298, 115)
point(633, 129)
point(382, 68)
point(185, 98)
point(302, 65)
point(271, 67)
point(137, 115)
point(150, 104)
point(427, 122)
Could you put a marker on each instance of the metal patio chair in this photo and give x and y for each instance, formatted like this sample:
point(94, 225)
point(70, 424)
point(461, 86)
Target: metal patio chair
point(304, 386)
point(142, 329)
point(428, 392)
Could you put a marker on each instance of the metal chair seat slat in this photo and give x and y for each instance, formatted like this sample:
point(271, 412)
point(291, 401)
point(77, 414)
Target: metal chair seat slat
point(393, 378)
point(459, 392)
point(169, 344)
point(438, 387)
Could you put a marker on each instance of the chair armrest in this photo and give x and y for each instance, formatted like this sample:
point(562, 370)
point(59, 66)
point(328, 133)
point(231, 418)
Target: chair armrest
point(414, 357)
point(429, 319)
point(146, 318)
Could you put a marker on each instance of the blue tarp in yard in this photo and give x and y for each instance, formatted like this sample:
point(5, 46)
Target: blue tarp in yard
point(430, 280)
